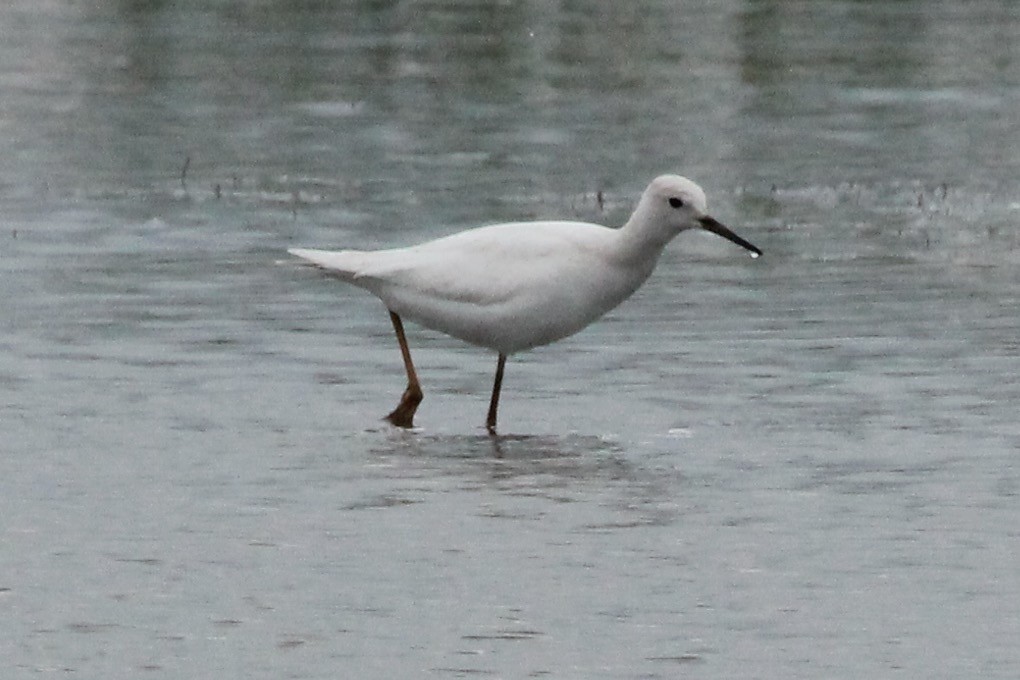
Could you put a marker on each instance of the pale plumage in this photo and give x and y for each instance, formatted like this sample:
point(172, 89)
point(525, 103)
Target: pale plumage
point(511, 287)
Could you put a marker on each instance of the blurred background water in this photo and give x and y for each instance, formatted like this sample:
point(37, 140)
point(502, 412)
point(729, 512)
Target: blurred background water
point(802, 466)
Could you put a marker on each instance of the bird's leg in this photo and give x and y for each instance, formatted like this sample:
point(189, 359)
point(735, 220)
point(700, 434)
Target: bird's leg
point(490, 422)
point(403, 414)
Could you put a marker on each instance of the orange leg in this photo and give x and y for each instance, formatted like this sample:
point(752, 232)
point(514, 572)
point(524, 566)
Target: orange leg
point(403, 414)
point(490, 422)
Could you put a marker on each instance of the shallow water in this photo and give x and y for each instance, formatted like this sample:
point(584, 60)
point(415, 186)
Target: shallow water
point(797, 466)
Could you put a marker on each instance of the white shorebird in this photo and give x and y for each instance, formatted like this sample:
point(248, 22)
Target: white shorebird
point(511, 287)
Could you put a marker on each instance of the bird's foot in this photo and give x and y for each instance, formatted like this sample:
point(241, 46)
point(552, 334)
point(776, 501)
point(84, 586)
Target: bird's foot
point(403, 414)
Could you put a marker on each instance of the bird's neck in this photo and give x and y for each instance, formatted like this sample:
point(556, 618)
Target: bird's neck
point(636, 245)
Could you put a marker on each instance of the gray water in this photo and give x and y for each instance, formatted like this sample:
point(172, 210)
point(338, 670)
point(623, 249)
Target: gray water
point(802, 466)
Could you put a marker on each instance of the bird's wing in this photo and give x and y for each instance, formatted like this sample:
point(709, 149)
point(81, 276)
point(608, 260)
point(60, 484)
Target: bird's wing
point(485, 266)
point(450, 274)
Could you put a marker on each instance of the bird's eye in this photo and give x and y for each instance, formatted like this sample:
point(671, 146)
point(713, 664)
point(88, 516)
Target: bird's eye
point(676, 202)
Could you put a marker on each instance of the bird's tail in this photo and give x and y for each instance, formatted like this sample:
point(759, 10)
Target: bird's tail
point(343, 263)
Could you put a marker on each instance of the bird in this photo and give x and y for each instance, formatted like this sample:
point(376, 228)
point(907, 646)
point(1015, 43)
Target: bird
point(514, 286)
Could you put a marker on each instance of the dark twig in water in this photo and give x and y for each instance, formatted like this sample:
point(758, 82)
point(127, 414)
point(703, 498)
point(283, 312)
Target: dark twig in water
point(184, 172)
point(600, 200)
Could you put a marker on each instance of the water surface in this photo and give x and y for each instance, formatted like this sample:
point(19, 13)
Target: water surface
point(797, 466)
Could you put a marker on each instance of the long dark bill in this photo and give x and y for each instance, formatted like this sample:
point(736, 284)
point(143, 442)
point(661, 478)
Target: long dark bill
point(716, 227)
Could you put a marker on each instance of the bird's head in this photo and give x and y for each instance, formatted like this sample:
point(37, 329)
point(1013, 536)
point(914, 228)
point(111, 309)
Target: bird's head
point(672, 204)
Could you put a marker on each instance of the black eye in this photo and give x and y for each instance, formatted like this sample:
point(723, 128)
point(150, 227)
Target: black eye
point(676, 202)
